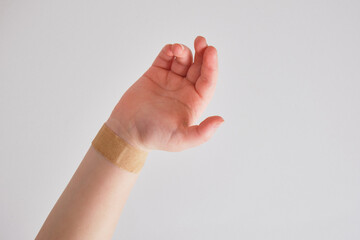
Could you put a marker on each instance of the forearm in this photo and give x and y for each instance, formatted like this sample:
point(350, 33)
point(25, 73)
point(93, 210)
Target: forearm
point(90, 206)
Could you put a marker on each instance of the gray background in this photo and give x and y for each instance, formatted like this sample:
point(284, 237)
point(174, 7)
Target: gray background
point(285, 164)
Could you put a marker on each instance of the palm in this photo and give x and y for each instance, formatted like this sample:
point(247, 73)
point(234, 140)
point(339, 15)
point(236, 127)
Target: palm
point(158, 110)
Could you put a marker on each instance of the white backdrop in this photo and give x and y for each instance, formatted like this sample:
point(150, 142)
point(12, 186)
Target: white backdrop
point(284, 165)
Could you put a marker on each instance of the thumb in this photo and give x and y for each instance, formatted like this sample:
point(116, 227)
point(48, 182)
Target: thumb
point(199, 134)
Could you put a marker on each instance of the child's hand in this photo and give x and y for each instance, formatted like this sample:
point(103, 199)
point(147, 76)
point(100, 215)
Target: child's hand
point(158, 111)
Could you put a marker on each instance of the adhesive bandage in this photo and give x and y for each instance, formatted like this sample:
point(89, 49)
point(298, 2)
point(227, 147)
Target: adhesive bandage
point(118, 151)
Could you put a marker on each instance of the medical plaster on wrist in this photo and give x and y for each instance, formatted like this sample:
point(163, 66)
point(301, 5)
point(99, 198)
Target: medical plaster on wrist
point(118, 151)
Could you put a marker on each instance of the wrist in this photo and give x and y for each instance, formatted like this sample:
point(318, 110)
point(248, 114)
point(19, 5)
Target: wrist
point(119, 151)
point(125, 133)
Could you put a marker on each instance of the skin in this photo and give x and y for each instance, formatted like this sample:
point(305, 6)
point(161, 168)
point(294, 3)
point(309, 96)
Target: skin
point(157, 112)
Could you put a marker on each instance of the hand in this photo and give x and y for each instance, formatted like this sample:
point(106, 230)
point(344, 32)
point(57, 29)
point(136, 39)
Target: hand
point(158, 111)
